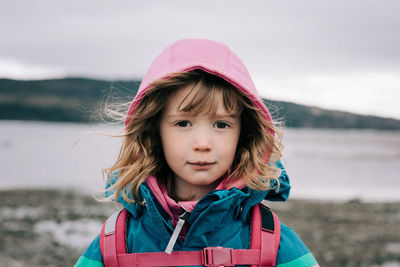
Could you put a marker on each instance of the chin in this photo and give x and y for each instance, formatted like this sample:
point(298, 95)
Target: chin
point(202, 182)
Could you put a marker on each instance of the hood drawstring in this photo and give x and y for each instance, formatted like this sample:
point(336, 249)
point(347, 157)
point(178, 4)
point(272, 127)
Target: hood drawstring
point(176, 232)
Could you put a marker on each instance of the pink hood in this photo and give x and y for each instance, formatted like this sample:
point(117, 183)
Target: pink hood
point(210, 56)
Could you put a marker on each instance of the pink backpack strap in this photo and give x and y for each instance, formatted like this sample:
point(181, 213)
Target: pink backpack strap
point(112, 238)
point(265, 239)
point(265, 234)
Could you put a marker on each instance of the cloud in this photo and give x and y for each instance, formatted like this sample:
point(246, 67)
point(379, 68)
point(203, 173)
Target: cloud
point(120, 38)
point(315, 48)
point(13, 69)
point(364, 93)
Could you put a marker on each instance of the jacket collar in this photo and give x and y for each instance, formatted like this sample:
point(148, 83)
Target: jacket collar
point(238, 200)
point(235, 201)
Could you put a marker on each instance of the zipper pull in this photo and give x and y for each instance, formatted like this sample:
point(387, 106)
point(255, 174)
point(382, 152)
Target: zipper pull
point(177, 231)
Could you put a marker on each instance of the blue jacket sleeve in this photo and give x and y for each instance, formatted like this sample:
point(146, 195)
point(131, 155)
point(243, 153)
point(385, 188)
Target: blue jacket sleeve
point(92, 256)
point(292, 251)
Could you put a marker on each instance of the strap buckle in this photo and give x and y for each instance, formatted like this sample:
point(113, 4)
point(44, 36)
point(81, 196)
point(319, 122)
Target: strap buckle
point(217, 256)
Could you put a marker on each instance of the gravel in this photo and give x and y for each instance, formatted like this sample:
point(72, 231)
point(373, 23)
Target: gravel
point(53, 228)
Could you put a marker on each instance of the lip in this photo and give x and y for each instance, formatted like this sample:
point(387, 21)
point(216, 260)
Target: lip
point(202, 165)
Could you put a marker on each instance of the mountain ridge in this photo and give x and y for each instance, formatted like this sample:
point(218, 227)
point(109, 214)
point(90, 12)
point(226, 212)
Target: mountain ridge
point(80, 99)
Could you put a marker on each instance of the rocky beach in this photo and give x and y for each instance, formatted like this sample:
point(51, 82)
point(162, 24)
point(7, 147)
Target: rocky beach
point(52, 228)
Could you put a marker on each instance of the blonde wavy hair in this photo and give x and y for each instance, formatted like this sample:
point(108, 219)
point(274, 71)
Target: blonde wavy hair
point(141, 154)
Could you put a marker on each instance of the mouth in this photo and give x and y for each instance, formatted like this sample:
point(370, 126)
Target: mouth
point(202, 163)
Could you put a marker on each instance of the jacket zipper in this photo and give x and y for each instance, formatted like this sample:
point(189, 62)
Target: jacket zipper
point(177, 231)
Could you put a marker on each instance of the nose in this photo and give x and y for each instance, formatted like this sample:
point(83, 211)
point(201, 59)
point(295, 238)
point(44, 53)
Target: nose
point(202, 141)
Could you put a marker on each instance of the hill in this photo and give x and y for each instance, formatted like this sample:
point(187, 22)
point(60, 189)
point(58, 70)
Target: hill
point(81, 99)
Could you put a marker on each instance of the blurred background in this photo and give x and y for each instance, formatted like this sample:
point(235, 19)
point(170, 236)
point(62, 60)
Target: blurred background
point(330, 70)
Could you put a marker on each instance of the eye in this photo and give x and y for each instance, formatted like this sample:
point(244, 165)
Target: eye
point(221, 125)
point(182, 123)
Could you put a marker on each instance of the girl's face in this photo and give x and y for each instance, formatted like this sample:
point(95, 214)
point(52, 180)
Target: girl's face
point(199, 148)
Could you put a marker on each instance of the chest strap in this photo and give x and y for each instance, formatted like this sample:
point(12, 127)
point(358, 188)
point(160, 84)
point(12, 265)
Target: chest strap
point(210, 256)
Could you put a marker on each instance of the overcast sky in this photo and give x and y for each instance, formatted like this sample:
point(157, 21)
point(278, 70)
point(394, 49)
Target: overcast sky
point(339, 54)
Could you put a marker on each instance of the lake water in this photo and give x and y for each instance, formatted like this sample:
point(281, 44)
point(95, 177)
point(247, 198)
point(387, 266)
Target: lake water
point(322, 164)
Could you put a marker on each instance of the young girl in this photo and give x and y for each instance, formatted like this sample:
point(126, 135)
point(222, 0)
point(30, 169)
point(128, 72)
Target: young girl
point(200, 151)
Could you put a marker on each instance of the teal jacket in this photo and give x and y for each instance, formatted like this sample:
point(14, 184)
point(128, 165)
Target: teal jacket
point(221, 218)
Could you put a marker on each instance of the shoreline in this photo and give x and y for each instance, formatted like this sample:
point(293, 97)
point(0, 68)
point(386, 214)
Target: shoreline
point(53, 227)
point(293, 197)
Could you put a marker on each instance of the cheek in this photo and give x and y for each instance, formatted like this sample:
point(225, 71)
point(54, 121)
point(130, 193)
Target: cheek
point(229, 146)
point(169, 142)
point(231, 151)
